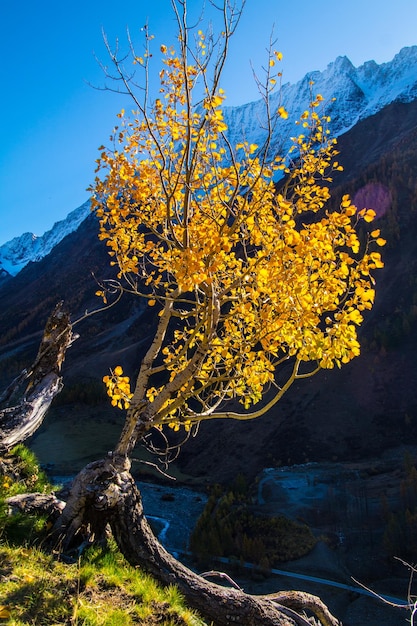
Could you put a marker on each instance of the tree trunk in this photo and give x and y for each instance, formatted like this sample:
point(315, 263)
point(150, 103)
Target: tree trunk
point(104, 492)
point(20, 419)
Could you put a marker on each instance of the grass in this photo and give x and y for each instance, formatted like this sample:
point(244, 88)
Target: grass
point(100, 589)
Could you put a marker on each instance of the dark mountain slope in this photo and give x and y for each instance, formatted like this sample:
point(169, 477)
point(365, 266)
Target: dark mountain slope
point(371, 404)
point(363, 409)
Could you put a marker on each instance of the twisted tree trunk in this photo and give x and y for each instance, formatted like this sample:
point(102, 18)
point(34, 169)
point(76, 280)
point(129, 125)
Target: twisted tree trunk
point(104, 492)
point(23, 413)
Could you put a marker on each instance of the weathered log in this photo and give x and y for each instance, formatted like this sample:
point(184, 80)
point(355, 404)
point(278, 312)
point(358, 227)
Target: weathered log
point(44, 503)
point(107, 487)
point(20, 420)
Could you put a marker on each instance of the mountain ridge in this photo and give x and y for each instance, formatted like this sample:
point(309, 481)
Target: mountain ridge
point(360, 92)
point(28, 247)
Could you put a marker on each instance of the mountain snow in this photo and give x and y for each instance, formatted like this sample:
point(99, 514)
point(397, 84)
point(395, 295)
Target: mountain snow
point(350, 94)
point(17, 252)
point(358, 92)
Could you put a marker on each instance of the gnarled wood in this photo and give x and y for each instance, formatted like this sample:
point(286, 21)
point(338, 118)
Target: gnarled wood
point(107, 488)
point(21, 418)
point(46, 503)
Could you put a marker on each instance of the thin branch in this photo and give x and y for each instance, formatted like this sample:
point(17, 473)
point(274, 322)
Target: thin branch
point(254, 414)
point(384, 600)
point(223, 576)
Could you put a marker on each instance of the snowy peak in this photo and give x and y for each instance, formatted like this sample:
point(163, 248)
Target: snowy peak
point(18, 252)
point(358, 91)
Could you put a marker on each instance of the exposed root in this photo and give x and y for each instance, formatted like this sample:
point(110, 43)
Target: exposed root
point(104, 492)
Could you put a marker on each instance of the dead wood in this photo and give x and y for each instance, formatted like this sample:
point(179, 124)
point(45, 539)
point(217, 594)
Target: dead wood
point(24, 412)
point(44, 503)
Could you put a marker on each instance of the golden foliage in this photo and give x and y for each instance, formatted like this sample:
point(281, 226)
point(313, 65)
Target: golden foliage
point(118, 388)
point(246, 276)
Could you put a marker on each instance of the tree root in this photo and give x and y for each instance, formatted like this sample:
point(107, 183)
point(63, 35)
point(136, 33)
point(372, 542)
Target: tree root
point(104, 492)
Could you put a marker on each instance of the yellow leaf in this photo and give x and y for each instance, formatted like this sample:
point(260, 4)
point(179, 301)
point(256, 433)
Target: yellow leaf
point(369, 215)
point(282, 113)
point(5, 612)
point(152, 302)
point(28, 578)
point(381, 242)
point(118, 370)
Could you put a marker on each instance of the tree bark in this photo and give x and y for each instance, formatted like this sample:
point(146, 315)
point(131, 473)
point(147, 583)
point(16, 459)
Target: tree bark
point(20, 419)
point(106, 491)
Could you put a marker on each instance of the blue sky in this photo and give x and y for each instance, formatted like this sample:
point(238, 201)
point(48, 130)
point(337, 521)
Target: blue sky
point(53, 121)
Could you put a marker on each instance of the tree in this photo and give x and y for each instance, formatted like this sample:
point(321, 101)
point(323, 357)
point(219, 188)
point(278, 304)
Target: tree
point(248, 279)
point(256, 284)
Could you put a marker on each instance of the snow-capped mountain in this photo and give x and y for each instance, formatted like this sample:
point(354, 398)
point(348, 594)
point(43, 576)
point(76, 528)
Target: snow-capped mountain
point(359, 92)
point(17, 252)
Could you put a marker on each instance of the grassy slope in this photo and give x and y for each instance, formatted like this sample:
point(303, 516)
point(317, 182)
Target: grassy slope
point(98, 588)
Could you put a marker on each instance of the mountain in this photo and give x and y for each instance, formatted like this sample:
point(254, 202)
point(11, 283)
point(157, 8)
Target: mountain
point(369, 407)
point(362, 410)
point(19, 251)
point(359, 92)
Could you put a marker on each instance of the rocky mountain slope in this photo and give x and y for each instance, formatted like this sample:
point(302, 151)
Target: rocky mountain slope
point(19, 251)
point(350, 94)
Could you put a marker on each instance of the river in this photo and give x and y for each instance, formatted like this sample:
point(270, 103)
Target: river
point(171, 510)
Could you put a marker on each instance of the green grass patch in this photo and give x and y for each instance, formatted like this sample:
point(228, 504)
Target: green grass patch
point(101, 589)
point(21, 474)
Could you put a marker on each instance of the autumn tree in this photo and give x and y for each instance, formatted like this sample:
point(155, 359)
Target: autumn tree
point(256, 284)
point(249, 279)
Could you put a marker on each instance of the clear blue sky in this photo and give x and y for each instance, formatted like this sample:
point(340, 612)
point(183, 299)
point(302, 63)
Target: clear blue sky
point(53, 122)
